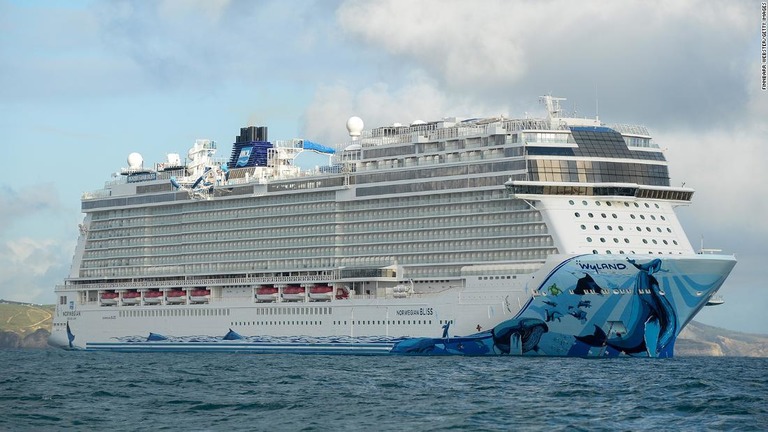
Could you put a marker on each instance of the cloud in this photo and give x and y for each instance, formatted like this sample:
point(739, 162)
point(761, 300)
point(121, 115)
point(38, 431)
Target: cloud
point(417, 97)
point(645, 60)
point(17, 205)
point(200, 44)
point(725, 164)
point(32, 268)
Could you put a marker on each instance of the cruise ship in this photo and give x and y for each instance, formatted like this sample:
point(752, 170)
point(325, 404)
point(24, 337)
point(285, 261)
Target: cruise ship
point(553, 236)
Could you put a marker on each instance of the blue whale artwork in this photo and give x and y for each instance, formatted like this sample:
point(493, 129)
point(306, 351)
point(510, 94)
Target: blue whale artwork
point(582, 322)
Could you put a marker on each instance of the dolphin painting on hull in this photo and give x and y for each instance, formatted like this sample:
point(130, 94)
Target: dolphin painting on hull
point(653, 323)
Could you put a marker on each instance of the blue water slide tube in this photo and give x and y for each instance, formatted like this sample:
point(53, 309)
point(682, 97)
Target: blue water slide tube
point(309, 145)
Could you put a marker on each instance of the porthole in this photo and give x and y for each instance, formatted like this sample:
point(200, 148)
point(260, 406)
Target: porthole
point(645, 241)
point(654, 241)
point(642, 217)
point(621, 252)
point(632, 216)
point(647, 205)
point(597, 227)
point(608, 252)
point(674, 242)
point(665, 242)
point(610, 228)
point(570, 202)
point(663, 218)
point(658, 229)
point(669, 230)
point(653, 217)
point(636, 205)
point(594, 251)
point(608, 203)
point(602, 239)
point(597, 203)
point(583, 227)
point(590, 215)
point(614, 215)
point(589, 239)
point(626, 240)
point(639, 229)
point(603, 215)
point(584, 202)
point(577, 214)
point(626, 204)
point(615, 240)
point(621, 228)
point(648, 229)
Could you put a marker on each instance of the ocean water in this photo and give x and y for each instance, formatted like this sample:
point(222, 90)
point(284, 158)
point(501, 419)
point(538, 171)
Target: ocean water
point(60, 390)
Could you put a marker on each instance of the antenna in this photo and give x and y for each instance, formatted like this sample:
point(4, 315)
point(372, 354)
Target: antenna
point(597, 105)
point(553, 105)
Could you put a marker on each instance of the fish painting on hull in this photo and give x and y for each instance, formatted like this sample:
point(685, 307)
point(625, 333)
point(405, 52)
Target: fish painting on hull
point(515, 336)
point(617, 305)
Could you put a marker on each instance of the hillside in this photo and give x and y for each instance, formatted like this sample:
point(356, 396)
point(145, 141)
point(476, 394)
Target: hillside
point(699, 339)
point(24, 325)
point(24, 317)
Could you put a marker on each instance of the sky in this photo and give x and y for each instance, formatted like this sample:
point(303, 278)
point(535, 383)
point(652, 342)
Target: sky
point(85, 83)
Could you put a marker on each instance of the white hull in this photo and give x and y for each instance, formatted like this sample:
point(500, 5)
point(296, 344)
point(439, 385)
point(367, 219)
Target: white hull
point(474, 309)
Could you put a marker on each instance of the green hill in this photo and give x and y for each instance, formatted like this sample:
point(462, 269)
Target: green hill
point(24, 318)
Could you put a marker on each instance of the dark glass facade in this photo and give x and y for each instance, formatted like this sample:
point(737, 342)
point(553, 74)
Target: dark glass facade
point(598, 142)
point(585, 171)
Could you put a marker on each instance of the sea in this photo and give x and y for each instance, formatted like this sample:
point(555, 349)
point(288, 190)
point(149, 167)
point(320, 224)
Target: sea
point(42, 390)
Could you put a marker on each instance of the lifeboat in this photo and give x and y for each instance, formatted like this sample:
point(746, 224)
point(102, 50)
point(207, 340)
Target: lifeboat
point(321, 293)
point(293, 293)
point(266, 294)
point(153, 297)
point(176, 296)
point(342, 294)
point(131, 298)
point(109, 298)
point(200, 295)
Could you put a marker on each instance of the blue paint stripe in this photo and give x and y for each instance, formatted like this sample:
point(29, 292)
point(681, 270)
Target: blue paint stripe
point(243, 347)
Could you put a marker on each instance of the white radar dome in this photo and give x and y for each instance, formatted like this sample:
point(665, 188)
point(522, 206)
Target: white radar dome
point(418, 122)
point(135, 161)
point(355, 126)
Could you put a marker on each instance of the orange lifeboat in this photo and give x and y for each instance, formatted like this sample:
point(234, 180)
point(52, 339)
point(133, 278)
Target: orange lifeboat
point(293, 293)
point(321, 293)
point(200, 295)
point(131, 298)
point(176, 296)
point(342, 294)
point(153, 297)
point(109, 298)
point(266, 294)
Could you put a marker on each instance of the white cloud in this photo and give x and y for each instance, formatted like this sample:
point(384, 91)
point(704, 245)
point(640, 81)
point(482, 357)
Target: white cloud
point(32, 268)
point(647, 60)
point(380, 104)
point(17, 205)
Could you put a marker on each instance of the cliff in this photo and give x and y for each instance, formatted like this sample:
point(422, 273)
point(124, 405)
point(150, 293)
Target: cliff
point(36, 339)
point(24, 325)
point(699, 339)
